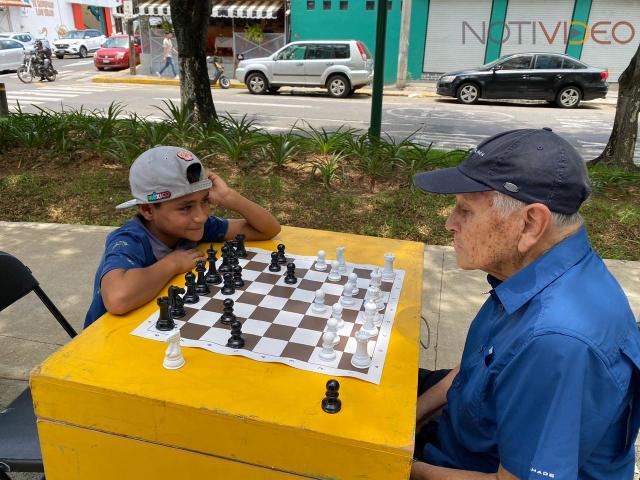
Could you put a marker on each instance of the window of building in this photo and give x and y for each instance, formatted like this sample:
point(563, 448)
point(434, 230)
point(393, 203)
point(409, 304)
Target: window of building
point(344, 4)
point(370, 5)
point(547, 62)
point(311, 4)
point(326, 5)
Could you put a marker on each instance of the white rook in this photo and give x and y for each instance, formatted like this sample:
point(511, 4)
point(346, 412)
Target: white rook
point(388, 273)
point(361, 358)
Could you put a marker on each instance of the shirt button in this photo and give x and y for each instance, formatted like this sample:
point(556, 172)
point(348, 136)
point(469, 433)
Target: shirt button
point(481, 349)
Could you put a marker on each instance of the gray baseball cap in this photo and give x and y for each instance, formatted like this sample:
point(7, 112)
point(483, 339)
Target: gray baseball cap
point(165, 173)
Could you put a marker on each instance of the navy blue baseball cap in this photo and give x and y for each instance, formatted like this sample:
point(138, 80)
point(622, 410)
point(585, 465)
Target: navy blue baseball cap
point(531, 165)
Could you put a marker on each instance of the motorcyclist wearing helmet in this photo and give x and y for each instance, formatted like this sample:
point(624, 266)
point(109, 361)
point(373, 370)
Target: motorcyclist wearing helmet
point(43, 57)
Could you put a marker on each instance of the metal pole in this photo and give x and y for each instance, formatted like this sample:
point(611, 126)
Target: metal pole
point(132, 48)
point(4, 106)
point(378, 72)
point(405, 28)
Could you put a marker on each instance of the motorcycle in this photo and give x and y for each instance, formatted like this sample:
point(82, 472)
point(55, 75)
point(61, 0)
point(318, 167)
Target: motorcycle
point(219, 74)
point(32, 68)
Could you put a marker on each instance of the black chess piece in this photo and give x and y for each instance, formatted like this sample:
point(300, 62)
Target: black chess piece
point(281, 254)
point(236, 340)
point(201, 284)
point(165, 323)
point(274, 266)
point(190, 282)
point(331, 403)
point(290, 277)
point(176, 303)
point(228, 288)
point(238, 282)
point(227, 316)
point(212, 277)
point(225, 266)
point(241, 251)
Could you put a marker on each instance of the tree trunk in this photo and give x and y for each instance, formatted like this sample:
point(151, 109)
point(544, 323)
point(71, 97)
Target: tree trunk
point(190, 20)
point(621, 147)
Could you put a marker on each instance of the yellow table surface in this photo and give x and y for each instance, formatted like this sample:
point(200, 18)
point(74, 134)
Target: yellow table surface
point(266, 415)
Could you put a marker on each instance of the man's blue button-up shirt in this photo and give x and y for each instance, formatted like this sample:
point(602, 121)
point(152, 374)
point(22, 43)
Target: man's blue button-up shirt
point(547, 384)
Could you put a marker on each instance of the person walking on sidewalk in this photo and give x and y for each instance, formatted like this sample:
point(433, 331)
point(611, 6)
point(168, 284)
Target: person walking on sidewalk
point(548, 384)
point(167, 51)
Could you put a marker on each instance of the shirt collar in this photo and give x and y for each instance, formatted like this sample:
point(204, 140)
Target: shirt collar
point(521, 287)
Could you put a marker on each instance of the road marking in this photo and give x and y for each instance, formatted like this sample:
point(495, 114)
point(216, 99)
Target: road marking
point(49, 92)
point(259, 104)
point(83, 62)
point(13, 96)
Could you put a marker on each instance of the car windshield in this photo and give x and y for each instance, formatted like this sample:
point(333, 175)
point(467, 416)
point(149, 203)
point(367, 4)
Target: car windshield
point(73, 34)
point(116, 42)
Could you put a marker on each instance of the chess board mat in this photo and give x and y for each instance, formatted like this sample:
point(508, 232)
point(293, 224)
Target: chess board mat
point(278, 323)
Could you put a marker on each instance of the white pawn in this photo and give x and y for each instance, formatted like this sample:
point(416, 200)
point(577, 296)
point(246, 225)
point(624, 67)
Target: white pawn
point(370, 314)
point(372, 293)
point(388, 273)
point(327, 353)
point(332, 326)
point(173, 358)
point(342, 264)
point(353, 278)
point(376, 277)
point(347, 293)
point(361, 358)
point(334, 274)
point(318, 302)
point(336, 312)
point(321, 262)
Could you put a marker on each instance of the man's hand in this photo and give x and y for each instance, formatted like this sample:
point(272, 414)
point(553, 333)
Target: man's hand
point(184, 260)
point(220, 193)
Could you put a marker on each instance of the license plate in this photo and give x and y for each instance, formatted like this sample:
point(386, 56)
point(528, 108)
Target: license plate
point(106, 61)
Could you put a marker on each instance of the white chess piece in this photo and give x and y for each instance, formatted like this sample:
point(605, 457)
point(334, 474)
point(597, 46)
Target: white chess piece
point(347, 294)
point(388, 273)
point(376, 277)
point(342, 264)
point(321, 262)
point(327, 353)
point(336, 312)
point(334, 274)
point(353, 278)
point(361, 358)
point(173, 358)
point(332, 326)
point(318, 302)
point(370, 314)
point(378, 299)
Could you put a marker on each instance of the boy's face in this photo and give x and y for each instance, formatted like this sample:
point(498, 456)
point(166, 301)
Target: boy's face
point(182, 218)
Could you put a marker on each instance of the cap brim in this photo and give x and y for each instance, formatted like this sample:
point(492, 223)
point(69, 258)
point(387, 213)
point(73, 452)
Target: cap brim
point(128, 204)
point(448, 180)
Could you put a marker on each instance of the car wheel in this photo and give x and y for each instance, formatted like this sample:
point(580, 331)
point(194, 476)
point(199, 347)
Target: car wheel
point(59, 57)
point(468, 93)
point(338, 86)
point(569, 97)
point(82, 53)
point(257, 83)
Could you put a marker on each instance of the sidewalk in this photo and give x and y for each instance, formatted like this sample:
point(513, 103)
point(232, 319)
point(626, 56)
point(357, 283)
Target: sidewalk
point(414, 89)
point(64, 257)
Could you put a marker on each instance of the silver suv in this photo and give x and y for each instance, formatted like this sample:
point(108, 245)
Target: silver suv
point(339, 66)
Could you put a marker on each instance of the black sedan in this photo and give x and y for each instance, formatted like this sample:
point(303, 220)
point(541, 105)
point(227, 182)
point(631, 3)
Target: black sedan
point(556, 78)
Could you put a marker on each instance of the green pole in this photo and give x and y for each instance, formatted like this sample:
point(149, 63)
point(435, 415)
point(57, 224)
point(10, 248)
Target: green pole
point(378, 70)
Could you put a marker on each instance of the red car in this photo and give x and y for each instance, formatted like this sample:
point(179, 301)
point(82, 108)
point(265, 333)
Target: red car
point(114, 53)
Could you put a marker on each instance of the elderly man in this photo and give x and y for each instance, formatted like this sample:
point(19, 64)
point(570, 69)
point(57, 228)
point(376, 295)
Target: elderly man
point(548, 382)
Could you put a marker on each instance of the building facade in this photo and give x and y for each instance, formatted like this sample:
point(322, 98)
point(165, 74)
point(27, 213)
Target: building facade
point(448, 35)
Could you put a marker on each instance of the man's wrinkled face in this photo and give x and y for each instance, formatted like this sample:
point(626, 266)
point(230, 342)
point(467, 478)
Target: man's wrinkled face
point(483, 239)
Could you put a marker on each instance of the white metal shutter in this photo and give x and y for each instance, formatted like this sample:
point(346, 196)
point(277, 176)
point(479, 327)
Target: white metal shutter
point(445, 50)
point(551, 14)
point(616, 56)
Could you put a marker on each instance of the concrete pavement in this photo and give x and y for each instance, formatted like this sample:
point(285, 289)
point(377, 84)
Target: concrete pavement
point(64, 258)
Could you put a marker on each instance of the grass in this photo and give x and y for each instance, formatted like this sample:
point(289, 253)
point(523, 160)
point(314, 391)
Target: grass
point(306, 178)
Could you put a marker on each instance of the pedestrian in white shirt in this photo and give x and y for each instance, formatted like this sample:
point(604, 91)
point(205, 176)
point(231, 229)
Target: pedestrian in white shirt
point(167, 51)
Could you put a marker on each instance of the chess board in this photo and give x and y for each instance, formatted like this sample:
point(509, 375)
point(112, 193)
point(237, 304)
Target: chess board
point(278, 323)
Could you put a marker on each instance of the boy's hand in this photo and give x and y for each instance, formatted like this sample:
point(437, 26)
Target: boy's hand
point(184, 260)
point(219, 193)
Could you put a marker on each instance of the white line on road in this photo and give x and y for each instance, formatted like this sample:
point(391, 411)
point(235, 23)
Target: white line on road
point(48, 93)
point(259, 104)
point(28, 98)
point(74, 64)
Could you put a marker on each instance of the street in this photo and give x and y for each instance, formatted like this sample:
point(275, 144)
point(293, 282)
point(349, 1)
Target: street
point(442, 121)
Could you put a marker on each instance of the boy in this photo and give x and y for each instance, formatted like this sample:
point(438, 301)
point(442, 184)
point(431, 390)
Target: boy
point(173, 194)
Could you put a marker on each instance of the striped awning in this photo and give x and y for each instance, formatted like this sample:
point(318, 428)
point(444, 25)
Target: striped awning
point(13, 3)
point(224, 8)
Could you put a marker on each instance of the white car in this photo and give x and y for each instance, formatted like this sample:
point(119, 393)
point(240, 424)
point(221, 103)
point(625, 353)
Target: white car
point(78, 42)
point(25, 38)
point(11, 53)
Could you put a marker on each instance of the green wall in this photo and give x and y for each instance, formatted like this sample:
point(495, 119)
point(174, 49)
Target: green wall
point(360, 24)
point(496, 30)
point(581, 12)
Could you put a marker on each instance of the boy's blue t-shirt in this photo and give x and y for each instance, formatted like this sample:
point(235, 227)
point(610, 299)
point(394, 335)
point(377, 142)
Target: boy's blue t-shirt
point(134, 246)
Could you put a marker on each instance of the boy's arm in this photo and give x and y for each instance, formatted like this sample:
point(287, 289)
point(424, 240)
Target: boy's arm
point(125, 290)
point(257, 224)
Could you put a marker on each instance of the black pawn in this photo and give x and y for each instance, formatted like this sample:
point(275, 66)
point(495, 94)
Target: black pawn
point(236, 340)
point(201, 284)
point(225, 266)
point(176, 303)
point(238, 282)
point(281, 255)
point(165, 322)
point(212, 277)
point(331, 403)
point(227, 316)
point(274, 266)
point(241, 251)
point(290, 277)
point(190, 282)
point(227, 288)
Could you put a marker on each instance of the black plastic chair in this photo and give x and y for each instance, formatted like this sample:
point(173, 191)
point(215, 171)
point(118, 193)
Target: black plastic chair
point(19, 444)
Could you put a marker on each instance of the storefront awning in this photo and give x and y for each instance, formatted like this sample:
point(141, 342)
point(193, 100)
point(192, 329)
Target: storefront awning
point(13, 3)
point(226, 8)
point(96, 3)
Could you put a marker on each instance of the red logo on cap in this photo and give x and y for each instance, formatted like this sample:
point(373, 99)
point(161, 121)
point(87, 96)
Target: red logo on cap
point(184, 155)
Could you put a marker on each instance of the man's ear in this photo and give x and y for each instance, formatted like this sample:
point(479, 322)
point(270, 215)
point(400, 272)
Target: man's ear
point(146, 211)
point(537, 219)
